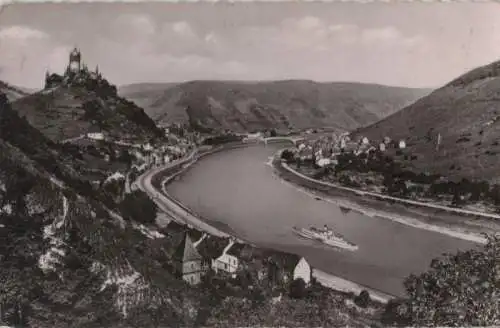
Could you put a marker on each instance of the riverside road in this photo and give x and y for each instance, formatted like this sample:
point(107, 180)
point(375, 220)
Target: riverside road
point(237, 188)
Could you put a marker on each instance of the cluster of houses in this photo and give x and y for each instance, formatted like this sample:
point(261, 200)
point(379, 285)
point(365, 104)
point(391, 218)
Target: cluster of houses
point(196, 254)
point(325, 149)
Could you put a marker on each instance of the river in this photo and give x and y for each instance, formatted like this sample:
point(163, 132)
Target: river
point(238, 189)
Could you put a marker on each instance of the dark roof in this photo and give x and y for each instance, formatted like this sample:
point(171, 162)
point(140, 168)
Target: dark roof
point(94, 129)
point(186, 251)
point(237, 249)
point(194, 234)
point(174, 227)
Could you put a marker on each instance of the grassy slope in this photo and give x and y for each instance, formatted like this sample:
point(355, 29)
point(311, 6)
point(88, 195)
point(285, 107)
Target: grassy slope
point(69, 112)
point(465, 113)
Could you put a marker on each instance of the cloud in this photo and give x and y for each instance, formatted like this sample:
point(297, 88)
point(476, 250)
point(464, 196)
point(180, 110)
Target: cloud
point(21, 33)
point(132, 46)
point(25, 51)
point(183, 29)
point(375, 35)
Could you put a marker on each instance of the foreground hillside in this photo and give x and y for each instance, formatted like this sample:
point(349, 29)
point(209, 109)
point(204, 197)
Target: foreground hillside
point(465, 113)
point(247, 106)
point(68, 259)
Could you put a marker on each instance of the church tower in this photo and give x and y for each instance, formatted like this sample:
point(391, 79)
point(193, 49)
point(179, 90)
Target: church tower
point(75, 61)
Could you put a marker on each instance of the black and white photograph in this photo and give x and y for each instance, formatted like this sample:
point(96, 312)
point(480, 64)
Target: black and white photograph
point(249, 164)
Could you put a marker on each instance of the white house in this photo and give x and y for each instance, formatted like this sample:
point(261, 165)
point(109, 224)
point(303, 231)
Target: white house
point(254, 136)
point(226, 262)
point(323, 162)
point(343, 143)
point(95, 135)
point(303, 270)
point(402, 144)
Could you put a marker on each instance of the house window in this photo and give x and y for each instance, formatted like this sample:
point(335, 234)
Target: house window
point(225, 266)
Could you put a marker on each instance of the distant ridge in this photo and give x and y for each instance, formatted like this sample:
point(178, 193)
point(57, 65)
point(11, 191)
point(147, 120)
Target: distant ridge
point(247, 105)
point(14, 92)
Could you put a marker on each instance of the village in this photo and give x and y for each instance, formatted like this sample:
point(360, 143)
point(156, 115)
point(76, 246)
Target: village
point(384, 167)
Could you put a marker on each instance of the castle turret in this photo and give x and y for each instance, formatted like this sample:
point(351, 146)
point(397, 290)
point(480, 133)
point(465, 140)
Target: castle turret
point(75, 61)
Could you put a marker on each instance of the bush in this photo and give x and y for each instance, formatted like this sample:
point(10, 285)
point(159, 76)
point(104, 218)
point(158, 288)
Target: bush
point(392, 314)
point(363, 299)
point(298, 288)
point(287, 155)
point(458, 290)
point(139, 207)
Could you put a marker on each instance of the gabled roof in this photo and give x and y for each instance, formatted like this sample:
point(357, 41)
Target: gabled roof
point(94, 129)
point(186, 251)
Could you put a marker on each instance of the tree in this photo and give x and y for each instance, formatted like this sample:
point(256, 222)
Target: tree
point(363, 299)
point(287, 155)
point(458, 290)
point(139, 207)
point(298, 288)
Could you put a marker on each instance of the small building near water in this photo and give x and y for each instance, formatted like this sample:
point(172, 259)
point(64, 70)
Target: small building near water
point(228, 261)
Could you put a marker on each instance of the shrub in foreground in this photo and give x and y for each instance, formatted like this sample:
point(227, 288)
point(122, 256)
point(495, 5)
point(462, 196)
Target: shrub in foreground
point(363, 299)
point(458, 290)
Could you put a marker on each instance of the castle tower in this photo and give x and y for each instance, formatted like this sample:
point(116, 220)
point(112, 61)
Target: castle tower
point(75, 61)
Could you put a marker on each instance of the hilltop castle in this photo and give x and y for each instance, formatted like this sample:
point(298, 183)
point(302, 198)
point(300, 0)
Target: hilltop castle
point(78, 75)
point(76, 72)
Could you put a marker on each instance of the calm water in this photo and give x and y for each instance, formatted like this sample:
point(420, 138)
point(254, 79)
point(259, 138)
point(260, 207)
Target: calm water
point(238, 188)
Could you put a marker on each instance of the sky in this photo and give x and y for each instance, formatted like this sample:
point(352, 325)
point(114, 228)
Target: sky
point(400, 44)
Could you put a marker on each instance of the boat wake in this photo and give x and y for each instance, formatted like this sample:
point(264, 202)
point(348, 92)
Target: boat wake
point(270, 160)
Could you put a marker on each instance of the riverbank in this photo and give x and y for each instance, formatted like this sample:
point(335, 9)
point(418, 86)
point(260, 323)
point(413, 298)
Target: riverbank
point(186, 215)
point(422, 216)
